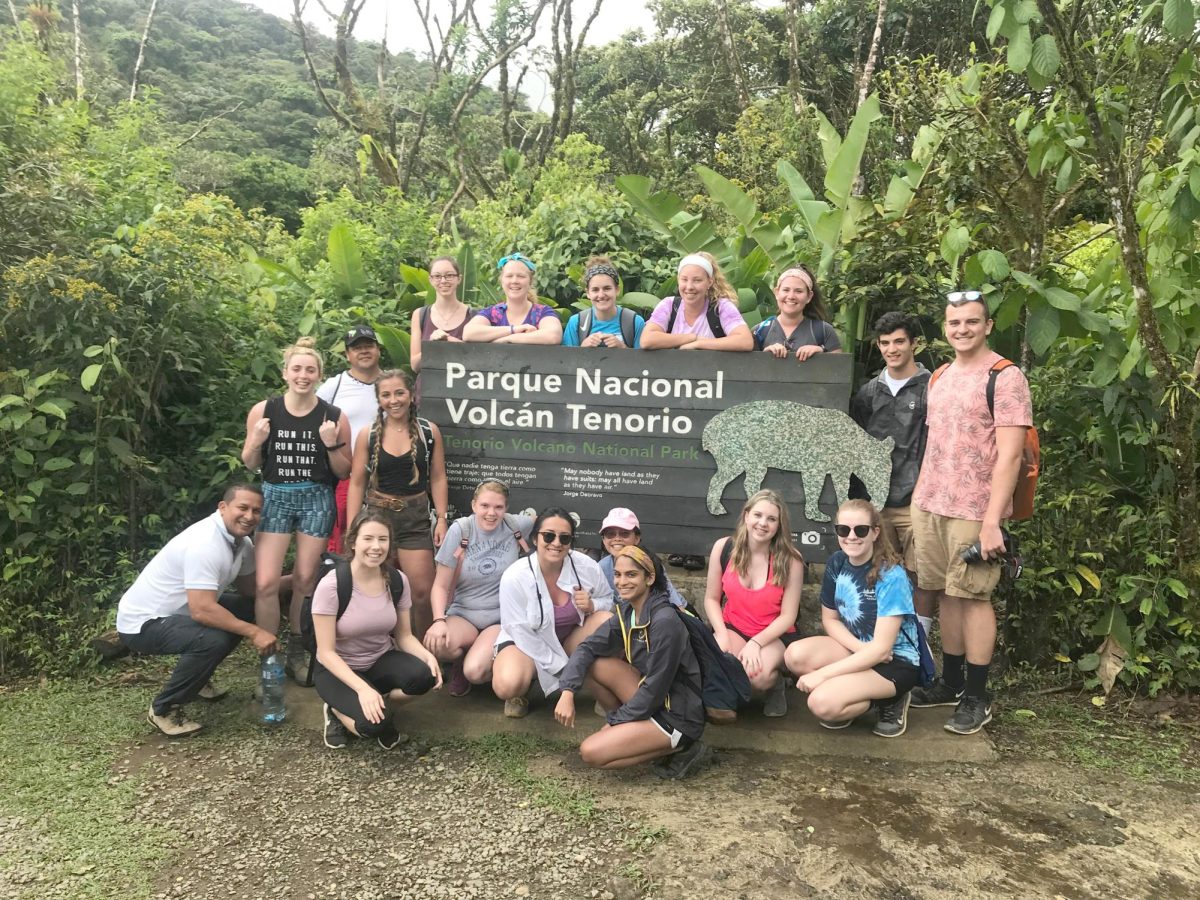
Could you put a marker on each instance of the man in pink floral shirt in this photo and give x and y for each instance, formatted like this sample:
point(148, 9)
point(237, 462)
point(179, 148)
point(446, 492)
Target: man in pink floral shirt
point(963, 494)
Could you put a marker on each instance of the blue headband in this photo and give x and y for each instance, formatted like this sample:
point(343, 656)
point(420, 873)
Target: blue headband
point(516, 257)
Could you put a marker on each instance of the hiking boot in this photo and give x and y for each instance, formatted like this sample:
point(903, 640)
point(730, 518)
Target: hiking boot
point(174, 723)
point(458, 686)
point(893, 716)
point(211, 692)
point(684, 762)
point(775, 704)
point(937, 694)
point(972, 714)
point(336, 735)
point(720, 716)
point(390, 737)
point(835, 724)
point(516, 707)
point(296, 665)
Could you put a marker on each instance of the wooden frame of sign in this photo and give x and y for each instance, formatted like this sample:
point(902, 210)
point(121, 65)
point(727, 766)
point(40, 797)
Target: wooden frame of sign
point(592, 429)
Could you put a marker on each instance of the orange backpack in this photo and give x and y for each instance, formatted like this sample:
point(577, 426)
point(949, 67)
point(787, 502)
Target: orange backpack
point(1031, 455)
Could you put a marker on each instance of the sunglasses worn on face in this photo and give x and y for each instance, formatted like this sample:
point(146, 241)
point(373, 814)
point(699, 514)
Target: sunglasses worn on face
point(616, 533)
point(860, 531)
point(959, 298)
point(564, 537)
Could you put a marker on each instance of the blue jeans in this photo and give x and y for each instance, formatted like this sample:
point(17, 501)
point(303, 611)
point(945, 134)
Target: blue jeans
point(201, 649)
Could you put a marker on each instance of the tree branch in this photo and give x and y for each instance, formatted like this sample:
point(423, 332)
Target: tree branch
point(208, 122)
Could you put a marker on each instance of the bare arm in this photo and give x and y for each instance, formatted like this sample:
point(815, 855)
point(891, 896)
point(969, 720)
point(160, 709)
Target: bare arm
point(414, 340)
point(738, 339)
point(835, 628)
point(480, 330)
point(439, 486)
point(204, 608)
point(654, 337)
point(713, 592)
point(258, 430)
point(339, 459)
point(1010, 444)
point(356, 494)
point(548, 332)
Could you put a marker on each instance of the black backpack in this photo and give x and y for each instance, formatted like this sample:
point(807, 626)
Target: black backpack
point(331, 562)
point(628, 325)
point(714, 318)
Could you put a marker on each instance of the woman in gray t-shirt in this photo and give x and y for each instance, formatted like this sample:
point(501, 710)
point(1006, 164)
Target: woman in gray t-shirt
point(466, 587)
point(801, 329)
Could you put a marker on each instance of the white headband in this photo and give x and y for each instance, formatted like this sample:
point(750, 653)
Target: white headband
point(695, 259)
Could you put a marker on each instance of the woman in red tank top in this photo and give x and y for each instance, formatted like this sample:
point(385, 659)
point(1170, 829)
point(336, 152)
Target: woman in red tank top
point(753, 597)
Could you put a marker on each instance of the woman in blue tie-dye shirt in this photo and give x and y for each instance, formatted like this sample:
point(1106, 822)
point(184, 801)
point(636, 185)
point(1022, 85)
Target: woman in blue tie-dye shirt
point(869, 654)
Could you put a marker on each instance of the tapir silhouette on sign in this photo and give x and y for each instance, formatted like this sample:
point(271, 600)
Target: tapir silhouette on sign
point(810, 440)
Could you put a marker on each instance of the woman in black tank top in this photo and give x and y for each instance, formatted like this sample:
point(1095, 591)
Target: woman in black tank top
point(399, 464)
point(299, 443)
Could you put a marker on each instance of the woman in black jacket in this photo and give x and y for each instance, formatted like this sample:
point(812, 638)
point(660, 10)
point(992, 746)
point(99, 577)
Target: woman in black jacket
point(641, 667)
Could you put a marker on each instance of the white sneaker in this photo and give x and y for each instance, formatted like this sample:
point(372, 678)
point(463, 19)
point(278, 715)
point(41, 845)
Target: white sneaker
point(174, 723)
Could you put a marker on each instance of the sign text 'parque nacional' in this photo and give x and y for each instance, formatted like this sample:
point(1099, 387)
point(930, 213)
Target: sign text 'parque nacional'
point(680, 437)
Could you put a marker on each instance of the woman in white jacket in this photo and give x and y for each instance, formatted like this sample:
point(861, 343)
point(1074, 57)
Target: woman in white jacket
point(549, 602)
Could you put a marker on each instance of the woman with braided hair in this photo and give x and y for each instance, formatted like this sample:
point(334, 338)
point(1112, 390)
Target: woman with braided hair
point(399, 464)
point(606, 324)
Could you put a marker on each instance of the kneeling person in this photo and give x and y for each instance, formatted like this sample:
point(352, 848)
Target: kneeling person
point(641, 666)
point(368, 656)
point(175, 605)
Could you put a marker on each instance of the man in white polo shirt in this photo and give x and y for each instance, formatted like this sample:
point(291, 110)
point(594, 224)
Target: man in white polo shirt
point(353, 392)
point(175, 605)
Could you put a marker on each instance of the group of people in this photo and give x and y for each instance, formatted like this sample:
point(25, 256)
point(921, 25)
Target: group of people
point(506, 598)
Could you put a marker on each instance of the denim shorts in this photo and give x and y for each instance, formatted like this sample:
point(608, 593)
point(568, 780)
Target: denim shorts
point(306, 507)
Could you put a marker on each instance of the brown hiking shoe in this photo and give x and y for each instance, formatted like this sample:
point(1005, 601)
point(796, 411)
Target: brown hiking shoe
point(721, 716)
point(174, 723)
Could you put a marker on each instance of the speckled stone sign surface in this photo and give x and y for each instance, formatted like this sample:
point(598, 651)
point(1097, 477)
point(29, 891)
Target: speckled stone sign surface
point(681, 438)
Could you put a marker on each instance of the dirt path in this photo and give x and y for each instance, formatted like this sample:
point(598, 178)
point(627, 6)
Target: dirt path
point(279, 816)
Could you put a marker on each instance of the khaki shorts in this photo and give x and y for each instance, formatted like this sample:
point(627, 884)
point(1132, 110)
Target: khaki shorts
point(897, 524)
point(939, 541)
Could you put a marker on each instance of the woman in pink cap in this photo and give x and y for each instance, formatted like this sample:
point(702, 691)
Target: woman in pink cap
point(621, 529)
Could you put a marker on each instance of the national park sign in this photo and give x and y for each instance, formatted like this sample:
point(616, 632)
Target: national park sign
point(680, 437)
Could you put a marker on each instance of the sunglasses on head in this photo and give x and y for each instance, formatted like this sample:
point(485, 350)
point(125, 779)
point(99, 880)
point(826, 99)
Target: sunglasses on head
point(860, 531)
point(959, 298)
point(563, 537)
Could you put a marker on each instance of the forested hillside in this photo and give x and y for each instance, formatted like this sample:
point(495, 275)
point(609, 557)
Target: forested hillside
point(157, 253)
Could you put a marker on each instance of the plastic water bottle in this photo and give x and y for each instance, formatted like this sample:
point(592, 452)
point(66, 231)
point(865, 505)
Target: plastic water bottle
point(271, 680)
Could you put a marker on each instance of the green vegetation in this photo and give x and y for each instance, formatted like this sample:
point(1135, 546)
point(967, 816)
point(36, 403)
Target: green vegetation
point(156, 255)
point(509, 755)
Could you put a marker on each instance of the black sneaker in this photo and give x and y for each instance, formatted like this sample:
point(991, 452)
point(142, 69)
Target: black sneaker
point(684, 763)
point(937, 694)
point(390, 737)
point(972, 714)
point(336, 735)
point(893, 716)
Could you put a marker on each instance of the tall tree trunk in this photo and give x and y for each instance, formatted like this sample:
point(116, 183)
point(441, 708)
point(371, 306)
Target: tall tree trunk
point(78, 51)
point(137, 66)
point(791, 20)
point(16, 20)
point(868, 72)
point(732, 58)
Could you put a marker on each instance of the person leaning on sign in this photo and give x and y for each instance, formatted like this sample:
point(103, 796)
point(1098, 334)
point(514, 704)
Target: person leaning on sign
point(520, 319)
point(641, 666)
point(301, 445)
point(399, 465)
point(446, 317)
point(801, 328)
point(965, 490)
point(175, 605)
point(752, 597)
point(549, 602)
point(704, 316)
point(605, 324)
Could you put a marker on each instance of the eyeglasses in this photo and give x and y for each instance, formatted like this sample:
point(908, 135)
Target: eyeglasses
point(958, 298)
point(448, 276)
point(616, 533)
point(860, 531)
point(516, 257)
point(564, 537)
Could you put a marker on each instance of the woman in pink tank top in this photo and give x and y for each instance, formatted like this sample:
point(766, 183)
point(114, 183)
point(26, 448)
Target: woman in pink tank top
point(753, 597)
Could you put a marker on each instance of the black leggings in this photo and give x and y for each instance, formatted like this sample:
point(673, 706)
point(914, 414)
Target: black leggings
point(395, 669)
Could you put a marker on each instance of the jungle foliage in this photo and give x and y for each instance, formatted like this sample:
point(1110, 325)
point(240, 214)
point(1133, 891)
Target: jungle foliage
point(156, 255)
